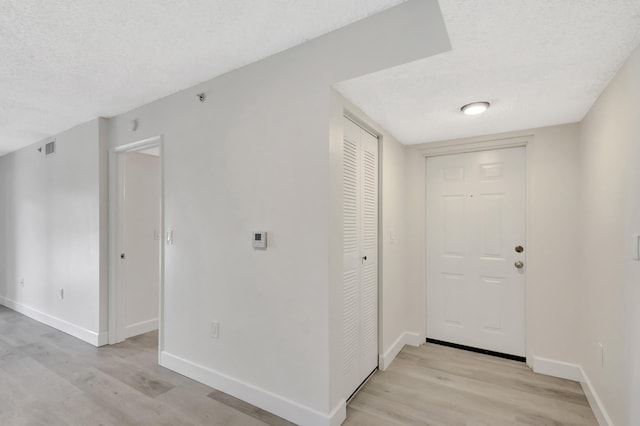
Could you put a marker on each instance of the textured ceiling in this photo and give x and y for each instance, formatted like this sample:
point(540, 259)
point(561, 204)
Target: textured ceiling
point(65, 62)
point(539, 63)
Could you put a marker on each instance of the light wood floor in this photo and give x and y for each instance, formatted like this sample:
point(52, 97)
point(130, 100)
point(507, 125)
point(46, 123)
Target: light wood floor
point(437, 385)
point(50, 378)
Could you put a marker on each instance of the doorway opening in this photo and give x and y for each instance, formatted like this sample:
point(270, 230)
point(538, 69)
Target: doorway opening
point(137, 250)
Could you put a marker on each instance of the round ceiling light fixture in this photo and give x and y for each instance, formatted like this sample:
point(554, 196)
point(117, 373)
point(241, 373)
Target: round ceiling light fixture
point(475, 108)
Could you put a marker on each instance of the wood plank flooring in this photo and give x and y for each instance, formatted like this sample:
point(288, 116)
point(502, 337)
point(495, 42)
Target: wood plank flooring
point(437, 385)
point(50, 378)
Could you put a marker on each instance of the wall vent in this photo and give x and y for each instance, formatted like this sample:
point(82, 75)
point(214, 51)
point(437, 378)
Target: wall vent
point(50, 148)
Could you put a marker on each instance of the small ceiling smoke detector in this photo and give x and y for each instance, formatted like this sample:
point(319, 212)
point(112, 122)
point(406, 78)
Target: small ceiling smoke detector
point(475, 108)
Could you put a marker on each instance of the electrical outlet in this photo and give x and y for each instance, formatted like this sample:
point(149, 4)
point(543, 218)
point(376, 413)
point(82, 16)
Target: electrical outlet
point(215, 330)
point(601, 346)
point(62, 294)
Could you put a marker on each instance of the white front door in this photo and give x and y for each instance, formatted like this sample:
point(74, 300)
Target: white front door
point(476, 208)
point(360, 279)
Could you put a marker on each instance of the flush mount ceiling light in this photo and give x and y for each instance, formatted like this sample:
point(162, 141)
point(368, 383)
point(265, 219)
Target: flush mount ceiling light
point(475, 108)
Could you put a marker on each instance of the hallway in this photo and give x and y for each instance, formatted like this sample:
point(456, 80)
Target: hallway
point(437, 385)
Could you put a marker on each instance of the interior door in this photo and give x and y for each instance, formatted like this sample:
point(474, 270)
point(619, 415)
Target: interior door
point(360, 280)
point(141, 242)
point(476, 207)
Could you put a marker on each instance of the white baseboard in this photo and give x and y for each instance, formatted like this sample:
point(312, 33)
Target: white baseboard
point(595, 402)
point(140, 327)
point(339, 414)
point(75, 330)
point(406, 338)
point(276, 404)
point(565, 370)
point(103, 338)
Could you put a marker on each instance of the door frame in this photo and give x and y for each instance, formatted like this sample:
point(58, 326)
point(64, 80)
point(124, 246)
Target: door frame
point(116, 234)
point(461, 147)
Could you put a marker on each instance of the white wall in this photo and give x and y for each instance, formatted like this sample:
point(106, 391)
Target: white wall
point(552, 233)
point(610, 214)
point(255, 156)
point(415, 231)
point(50, 232)
point(141, 242)
point(552, 263)
point(392, 242)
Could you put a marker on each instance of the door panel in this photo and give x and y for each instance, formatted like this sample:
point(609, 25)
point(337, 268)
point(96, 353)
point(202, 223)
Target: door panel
point(475, 219)
point(360, 227)
point(351, 235)
point(141, 224)
point(369, 253)
point(455, 235)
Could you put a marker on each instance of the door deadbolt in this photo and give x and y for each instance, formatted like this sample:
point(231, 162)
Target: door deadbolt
point(519, 249)
point(519, 264)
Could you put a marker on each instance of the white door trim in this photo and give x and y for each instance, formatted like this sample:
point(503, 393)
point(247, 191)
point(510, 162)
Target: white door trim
point(116, 294)
point(475, 145)
point(360, 123)
point(460, 147)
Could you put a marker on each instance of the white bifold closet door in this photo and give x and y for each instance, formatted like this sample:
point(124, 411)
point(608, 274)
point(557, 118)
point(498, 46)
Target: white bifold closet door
point(360, 280)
